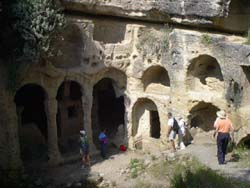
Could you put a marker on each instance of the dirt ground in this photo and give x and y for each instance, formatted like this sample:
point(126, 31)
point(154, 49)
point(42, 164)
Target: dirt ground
point(114, 170)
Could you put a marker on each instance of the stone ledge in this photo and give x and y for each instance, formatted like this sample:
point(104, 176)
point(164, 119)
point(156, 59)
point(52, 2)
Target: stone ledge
point(226, 15)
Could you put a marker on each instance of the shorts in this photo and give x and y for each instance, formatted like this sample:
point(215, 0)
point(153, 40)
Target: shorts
point(84, 150)
point(172, 135)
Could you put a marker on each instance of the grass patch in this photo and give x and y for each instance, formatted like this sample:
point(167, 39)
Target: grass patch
point(136, 167)
point(204, 178)
point(206, 39)
point(186, 172)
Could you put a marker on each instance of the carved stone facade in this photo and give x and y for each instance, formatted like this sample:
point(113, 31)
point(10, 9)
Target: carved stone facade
point(125, 75)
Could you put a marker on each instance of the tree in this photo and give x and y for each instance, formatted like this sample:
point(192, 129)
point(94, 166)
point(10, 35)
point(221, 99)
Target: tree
point(27, 27)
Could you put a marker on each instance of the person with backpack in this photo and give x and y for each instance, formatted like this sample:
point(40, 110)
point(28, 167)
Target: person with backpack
point(173, 129)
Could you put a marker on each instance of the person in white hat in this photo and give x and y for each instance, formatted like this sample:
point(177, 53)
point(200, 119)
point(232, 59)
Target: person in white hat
point(223, 127)
point(84, 149)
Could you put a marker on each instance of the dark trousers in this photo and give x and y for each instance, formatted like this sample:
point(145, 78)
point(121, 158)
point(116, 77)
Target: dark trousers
point(222, 142)
point(103, 150)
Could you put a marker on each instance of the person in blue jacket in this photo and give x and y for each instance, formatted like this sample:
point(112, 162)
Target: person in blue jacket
point(104, 141)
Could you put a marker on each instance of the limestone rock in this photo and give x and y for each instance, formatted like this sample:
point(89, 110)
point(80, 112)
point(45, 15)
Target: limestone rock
point(221, 14)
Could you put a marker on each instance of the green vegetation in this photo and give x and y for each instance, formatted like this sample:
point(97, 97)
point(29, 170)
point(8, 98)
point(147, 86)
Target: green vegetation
point(136, 167)
point(203, 177)
point(27, 27)
point(35, 21)
point(206, 39)
point(248, 37)
point(186, 172)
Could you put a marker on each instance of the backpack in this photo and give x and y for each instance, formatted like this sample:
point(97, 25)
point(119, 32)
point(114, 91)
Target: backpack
point(176, 126)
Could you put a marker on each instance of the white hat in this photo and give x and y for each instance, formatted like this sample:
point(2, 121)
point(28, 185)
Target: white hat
point(82, 132)
point(221, 114)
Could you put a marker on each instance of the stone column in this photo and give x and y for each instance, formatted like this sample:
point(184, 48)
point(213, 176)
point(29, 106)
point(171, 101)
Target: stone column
point(14, 157)
point(53, 150)
point(87, 122)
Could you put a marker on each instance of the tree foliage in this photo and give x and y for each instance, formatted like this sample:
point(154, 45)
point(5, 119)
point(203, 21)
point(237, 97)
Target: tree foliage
point(26, 30)
point(35, 21)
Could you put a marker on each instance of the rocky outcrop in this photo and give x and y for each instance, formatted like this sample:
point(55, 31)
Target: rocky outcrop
point(141, 70)
point(217, 14)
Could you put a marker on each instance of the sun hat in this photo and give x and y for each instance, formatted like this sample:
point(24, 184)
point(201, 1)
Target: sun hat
point(221, 114)
point(82, 132)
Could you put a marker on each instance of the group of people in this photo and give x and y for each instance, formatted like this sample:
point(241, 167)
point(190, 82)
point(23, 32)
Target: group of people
point(222, 125)
point(223, 130)
point(176, 128)
point(84, 146)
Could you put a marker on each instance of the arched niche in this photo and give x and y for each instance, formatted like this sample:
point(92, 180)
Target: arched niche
point(145, 119)
point(69, 115)
point(204, 72)
point(30, 101)
point(245, 142)
point(155, 77)
point(203, 116)
point(108, 111)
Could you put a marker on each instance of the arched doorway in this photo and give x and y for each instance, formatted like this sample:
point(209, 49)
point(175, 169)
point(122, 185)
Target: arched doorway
point(30, 102)
point(204, 72)
point(145, 119)
point(155, 77)
point(108, 111)
point(203, 116)
point(69, 116)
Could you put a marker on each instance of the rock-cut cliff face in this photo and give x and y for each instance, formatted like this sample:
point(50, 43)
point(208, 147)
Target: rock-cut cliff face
point(217, 14)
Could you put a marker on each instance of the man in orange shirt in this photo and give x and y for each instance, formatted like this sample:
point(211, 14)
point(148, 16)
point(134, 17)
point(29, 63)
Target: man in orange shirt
point(223, 126)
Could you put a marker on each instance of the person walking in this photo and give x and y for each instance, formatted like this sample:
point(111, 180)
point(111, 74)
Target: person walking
point(84, 149)
point(173, 129)
point(223, 128)
point(104, 141)
point(181, 133)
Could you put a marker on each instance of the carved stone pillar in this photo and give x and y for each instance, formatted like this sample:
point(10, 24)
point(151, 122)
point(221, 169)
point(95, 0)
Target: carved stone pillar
point(87, 107)
point(53, 150)
point(14, 159)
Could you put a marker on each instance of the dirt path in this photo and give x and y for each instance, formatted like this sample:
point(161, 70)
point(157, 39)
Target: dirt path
point(115, 169)
point(205, 150)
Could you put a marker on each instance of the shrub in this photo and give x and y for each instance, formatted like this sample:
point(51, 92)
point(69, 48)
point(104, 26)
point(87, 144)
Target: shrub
point(206, 39)
point(136, 167)
point(248, 38)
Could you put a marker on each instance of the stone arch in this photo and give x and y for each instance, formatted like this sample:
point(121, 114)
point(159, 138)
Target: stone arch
point(245, 142)
point(108, 110)
point(203, 116)
point(204, 72)
point(145, 112)
point(31, 105)
point(156, 75)
point(69, 115)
